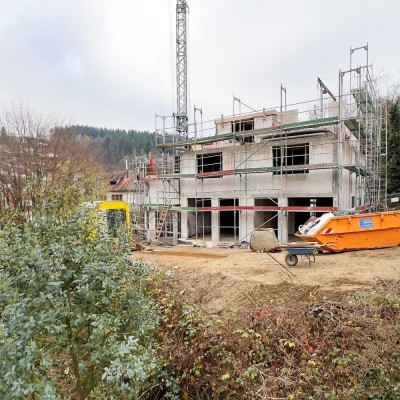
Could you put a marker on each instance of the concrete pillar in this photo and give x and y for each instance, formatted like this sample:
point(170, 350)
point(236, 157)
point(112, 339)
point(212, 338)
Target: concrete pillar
point(184, 219)
point(175, 228)
point(283, 221)
point(246, 220)
point(152, 224)
point(215, 221)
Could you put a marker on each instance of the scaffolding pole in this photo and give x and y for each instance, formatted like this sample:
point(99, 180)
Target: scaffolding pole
point(352, 144)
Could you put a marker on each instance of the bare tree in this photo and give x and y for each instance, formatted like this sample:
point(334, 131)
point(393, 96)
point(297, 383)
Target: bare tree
point(39, 157)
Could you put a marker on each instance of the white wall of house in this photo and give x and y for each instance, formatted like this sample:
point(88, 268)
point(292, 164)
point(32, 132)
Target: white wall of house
point(268, 119)
point(286, 189)
point(127, 196)
point(314, 182)
point(124, 196)
point(247, 187)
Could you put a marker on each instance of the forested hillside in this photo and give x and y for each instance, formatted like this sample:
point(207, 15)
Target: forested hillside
point(114, 146)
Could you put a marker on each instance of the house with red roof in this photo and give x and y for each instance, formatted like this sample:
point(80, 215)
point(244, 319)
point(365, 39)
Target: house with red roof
point(125, 186)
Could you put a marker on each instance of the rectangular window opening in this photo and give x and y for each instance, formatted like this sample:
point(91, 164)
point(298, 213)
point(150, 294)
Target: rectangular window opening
point(246, 139)
point(243, 125)
point(294, 155)
point(209, 162)
point(177, 164)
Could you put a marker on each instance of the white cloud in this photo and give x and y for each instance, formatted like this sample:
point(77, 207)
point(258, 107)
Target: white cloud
point(109, 63)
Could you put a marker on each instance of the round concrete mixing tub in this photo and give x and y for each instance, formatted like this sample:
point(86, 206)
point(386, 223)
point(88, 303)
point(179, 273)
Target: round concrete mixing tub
point(263, 240)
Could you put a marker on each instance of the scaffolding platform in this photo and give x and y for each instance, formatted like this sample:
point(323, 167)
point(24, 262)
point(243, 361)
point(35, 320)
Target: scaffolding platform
point(355, 126)
point(265, 165)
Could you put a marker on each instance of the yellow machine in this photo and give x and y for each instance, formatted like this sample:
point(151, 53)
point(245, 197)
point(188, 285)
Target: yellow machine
point(111, 215)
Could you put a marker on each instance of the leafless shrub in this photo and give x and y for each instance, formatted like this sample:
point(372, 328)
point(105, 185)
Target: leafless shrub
point(38, 156)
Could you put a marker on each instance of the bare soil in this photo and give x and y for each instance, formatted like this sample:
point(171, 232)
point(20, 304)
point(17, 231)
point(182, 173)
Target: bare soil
point(230, 280)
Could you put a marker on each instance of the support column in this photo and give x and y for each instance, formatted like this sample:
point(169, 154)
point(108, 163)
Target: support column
point(184, 219)
point(175, 220)
point(246, 220)
point(215, 221)
point(283, 236)
point(152, 224)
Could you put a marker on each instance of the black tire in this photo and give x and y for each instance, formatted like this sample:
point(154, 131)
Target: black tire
point(291, 259)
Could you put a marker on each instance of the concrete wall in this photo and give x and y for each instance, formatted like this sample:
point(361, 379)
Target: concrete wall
point(128, 197)
point(261, 120)
point(252, 186)
point(315, 182)
point(333, 109)
point(248, 187)
point(289, 116)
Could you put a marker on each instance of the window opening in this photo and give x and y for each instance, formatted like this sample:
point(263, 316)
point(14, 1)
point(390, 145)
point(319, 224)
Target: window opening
point(177, 164)
point(293, 155)
point(209, 162)
point(243, 125)
point(247, 139)
point(228, 219)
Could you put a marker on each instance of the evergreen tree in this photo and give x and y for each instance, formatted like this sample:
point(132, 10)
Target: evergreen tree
point(118, 144)
point(394, 147)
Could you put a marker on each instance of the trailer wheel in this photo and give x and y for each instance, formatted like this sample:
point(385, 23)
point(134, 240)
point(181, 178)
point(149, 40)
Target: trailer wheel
point(291, 260)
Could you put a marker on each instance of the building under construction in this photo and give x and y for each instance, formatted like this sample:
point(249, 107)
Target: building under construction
point(270, 168)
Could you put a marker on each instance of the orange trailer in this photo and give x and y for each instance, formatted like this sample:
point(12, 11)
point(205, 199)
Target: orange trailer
point(353, 232)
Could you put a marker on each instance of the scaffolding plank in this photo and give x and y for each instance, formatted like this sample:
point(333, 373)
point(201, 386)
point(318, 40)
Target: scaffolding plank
point(177, 175)
point(363, 99)
point(158, 206)
point(215, 173)
point(153, 205)
point(268, 208)
point(244, 208)
point(261, 131)
point(353, 124)
point(256, 170)
point(206, 140)
point(311, 122)
point(357, 169)
point(303, 167)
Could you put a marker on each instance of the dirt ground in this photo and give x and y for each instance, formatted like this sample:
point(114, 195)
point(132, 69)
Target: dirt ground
point(230, 280)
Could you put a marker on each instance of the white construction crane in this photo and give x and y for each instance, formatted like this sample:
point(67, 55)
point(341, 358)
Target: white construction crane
point(181, 70)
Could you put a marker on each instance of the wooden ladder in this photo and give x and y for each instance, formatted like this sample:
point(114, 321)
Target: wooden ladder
point(161, 222)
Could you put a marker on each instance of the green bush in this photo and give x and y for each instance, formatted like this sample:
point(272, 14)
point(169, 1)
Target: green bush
point(75, 319)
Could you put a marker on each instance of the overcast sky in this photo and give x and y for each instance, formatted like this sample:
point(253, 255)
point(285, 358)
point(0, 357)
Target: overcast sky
point(110, 63)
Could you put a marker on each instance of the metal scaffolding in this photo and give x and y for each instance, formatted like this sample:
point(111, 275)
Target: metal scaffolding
point(361, 111)
point(254, 169)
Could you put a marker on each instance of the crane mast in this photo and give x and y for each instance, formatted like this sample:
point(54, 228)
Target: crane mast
point(181, 69)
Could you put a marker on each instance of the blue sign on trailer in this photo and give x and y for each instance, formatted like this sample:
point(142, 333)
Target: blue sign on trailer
point(366, 223)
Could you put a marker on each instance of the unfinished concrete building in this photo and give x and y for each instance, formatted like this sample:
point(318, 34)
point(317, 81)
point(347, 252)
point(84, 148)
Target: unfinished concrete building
point(266, 169)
